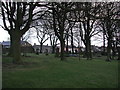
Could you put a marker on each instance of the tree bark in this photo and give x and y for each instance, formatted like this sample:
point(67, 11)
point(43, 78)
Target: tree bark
point(109, 50)
point(88, 53)
point(103, 42)
point(113, 50)
point(72, 42)
point(62, 49)
point(53, 49)
point(41, 47)
point(118, 48)
point(87, 50)
point(67, 44)
point(16, 47)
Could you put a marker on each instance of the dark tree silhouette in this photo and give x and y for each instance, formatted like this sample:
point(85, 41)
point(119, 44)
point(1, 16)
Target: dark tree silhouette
point(109, 18)
point(17, 18)
point(59, 13)
point(84, 14)
point(42, 33)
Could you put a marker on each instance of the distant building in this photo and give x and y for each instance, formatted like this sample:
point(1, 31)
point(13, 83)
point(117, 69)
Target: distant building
point(70, 48)
point(6, 44)
point(44, 48)
point(25, 47)
point(102, 48)
point(95, 48)
point(74, 49)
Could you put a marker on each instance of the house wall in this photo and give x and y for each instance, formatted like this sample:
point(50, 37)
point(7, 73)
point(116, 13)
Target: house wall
point(69, 49)
point(49, 48)
point(27, 49)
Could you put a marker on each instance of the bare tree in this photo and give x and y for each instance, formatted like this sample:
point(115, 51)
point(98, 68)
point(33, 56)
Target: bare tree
point(17, 18)
point(42, 33)
point(49, 26)
point(53, 41)
point(59, 13)
point(28, 35)
point(110, 16)
point(86, 21)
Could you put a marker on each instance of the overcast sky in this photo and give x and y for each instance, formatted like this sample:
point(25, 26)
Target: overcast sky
point(4, 36)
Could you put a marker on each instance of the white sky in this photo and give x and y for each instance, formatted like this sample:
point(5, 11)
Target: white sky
point(4, 36)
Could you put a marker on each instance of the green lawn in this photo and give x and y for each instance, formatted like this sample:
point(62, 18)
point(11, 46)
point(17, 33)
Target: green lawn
point(40, 71)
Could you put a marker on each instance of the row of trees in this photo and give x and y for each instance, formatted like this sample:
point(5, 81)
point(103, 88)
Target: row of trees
point(65, 20)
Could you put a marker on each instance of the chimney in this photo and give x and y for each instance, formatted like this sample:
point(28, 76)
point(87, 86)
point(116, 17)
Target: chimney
point(34, 44)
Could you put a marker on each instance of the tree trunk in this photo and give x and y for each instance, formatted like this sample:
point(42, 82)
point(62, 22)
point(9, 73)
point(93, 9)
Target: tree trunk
point(103, 42)
point(79, 51)
point(90, 53)
point(67, 45)
point(113, 50)
point(118, 48)
point(72, 41)
point(53, 49)
point(41, 48)
point(62, 50)
point(16, 47)
point(87, 51)
point(118, 53)
point(109, 50)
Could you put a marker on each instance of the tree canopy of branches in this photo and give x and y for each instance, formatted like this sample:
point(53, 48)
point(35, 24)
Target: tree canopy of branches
point(17, 18)
point(59, 20)
point(42, 33)
point(84, 15)
point(108, 22)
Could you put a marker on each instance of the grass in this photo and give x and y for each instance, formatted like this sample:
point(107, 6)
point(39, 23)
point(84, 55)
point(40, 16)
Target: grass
point(42, 71)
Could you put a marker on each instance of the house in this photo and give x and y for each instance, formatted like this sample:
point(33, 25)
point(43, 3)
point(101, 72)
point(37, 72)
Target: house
point(95, 48)
point(5, 44)
point(102, 48)
point(44, 48)
point(25, 47)
point(75, 49)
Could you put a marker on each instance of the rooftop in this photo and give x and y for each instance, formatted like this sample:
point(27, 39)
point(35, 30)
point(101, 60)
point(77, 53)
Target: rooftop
point(7, 43)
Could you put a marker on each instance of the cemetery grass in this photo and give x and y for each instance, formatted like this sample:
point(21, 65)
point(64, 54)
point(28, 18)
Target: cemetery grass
point(40, 71)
